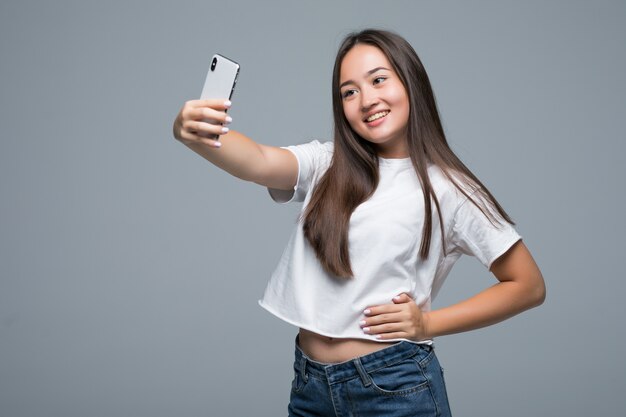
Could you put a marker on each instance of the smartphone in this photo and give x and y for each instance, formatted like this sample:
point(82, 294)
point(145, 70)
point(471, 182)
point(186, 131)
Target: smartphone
point(220, 81)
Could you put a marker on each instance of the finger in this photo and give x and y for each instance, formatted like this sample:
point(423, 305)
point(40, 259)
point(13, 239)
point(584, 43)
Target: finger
point(402, 298)
point(394, 335)
point(385, 318)
point(211, 142)
point(381, 309)
point(384, 328)
point(204, 129)
point(214, 103)
point(398, 317)
point(206, 114)
point(193, 138)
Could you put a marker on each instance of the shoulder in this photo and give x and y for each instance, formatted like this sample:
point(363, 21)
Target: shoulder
point(314, 148)
point(451, 189)
point(315, 145)
point(313, 155)
point(325, 148)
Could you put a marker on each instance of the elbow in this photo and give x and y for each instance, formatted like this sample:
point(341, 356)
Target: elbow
point(537, 295)
point(540, 296)
point(532, 292)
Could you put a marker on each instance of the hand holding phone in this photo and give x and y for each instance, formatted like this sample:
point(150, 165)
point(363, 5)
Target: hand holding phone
point(220, 82)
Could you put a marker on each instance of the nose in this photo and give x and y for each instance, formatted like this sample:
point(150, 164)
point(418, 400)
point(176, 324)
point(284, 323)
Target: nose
point(369, 98)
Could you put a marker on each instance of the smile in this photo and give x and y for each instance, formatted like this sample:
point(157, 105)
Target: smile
point(377, 116)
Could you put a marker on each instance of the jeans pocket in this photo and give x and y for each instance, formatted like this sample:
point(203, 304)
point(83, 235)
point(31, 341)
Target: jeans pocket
point(298, 382)
point(401, 378)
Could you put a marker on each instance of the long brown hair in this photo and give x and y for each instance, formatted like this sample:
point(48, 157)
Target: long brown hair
point(352, 176)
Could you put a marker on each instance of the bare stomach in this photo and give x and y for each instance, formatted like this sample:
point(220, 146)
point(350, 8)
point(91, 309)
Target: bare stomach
point(334, 350)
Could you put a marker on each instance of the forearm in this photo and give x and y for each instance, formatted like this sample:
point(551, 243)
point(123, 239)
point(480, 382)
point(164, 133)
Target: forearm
point(493, 305)
point(238, 155)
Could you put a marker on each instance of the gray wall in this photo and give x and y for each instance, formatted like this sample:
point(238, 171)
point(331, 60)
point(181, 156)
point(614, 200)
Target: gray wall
point(130, 268)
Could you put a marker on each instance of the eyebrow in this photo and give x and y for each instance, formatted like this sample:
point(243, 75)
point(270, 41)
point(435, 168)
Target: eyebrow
point(370, 72)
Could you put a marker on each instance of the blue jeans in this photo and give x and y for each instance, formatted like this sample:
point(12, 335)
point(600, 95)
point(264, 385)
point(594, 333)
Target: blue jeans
point(402, 380)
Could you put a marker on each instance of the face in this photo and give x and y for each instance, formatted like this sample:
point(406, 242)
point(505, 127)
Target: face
point(375, 101)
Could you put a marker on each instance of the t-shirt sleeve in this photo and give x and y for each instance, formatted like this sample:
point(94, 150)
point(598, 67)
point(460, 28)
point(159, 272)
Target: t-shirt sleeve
point(312, 158)
point(473, 234)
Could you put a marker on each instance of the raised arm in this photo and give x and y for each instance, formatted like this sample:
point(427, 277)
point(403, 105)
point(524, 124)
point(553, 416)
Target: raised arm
point(235, 153)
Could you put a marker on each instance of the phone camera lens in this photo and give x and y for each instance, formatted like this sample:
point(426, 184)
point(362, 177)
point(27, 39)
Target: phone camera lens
point(213, 64)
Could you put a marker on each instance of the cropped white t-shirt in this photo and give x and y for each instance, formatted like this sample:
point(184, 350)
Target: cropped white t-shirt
point(384, 240)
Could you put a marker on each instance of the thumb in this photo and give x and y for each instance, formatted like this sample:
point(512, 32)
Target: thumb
point(401, 298)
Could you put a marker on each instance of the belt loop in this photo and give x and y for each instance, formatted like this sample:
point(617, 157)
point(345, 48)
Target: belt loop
point(365, 378)
point(305, 377)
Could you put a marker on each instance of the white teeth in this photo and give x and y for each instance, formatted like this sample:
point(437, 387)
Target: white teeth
point(377, 116)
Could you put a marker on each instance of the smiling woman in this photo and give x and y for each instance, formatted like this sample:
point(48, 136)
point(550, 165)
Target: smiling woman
point(375, 103)
point(388, 210)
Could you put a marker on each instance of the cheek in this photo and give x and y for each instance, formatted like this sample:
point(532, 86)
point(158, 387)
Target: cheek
point(400, 99)
point(352, 114)
point(402, 108)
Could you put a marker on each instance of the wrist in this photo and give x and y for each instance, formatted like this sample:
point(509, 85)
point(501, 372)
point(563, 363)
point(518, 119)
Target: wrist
point(427, 325)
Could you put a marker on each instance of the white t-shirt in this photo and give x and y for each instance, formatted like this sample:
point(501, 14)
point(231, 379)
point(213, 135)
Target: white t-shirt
point(384, 240)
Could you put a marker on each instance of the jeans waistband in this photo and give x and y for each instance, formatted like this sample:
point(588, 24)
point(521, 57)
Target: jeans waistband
point(360, 366)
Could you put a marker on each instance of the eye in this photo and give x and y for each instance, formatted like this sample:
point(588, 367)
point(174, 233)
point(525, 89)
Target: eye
point(379, 80)
point(347, 93)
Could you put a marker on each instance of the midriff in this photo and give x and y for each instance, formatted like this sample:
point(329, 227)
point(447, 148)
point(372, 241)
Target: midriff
point(334, 350)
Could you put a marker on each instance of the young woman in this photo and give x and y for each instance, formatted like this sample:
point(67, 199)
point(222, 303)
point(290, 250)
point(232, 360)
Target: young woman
point(388, 209)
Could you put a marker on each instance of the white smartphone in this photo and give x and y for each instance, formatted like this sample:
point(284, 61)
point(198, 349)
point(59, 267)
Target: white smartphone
point(220, 81)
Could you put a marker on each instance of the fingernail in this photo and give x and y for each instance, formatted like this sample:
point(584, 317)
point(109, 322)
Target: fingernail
point(366, 329)
point(362, 323)
point(227, 103)
point(367, 311)
point(377, 336)
point(229, 119)
point(397, 297)
point(225, 130)
point(218, 144)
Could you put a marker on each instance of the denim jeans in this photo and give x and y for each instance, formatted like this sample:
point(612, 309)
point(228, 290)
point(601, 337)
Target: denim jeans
point(404, 379)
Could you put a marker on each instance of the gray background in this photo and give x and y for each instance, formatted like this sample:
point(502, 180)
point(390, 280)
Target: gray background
point(130, 268)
